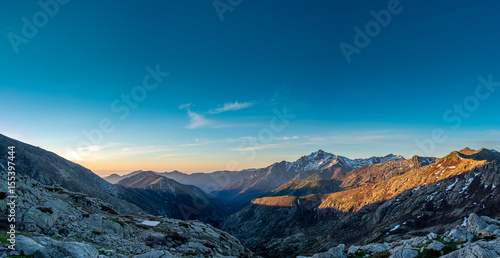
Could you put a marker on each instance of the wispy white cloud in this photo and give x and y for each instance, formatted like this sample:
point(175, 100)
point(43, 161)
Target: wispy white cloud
point(273, 146)
point(195, 120)
point(231, 106)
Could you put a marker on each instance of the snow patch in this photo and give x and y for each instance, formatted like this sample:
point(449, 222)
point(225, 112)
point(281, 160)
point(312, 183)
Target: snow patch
point(464, 223)
point(467, 184)
point(452, 185)
point(395, 228)
point(493, 186)
point(430, 197)
point(150, 223)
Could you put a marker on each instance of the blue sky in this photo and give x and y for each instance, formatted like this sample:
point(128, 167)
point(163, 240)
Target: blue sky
point(221, 105)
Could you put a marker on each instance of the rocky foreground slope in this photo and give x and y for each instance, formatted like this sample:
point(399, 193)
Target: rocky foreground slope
point(50, 169)
point(55, 222)
point(475, 237)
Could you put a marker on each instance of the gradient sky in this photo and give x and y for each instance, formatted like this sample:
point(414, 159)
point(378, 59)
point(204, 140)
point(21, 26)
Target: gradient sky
point(228, 78)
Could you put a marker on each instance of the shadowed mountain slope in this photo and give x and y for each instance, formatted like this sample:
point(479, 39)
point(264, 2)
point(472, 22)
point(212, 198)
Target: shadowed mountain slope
point(431, 198)
point(320, 164)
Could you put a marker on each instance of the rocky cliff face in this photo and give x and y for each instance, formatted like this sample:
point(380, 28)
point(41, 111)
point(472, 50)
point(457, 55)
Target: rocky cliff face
point(369, 174)
point(432, 198)
point(55, 222)
point(320, 165)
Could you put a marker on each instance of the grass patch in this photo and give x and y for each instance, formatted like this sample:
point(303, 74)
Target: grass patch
point(362, 253)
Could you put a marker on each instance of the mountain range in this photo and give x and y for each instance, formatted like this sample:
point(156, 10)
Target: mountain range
point(318, 204)
point(431, 198)
point(208, 182)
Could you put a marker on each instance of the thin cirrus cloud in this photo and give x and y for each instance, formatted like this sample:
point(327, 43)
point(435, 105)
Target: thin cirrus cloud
point(230, 106)
point(195, 120)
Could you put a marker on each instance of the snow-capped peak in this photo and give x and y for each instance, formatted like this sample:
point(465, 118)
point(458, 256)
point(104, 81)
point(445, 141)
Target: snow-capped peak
point(320, 160)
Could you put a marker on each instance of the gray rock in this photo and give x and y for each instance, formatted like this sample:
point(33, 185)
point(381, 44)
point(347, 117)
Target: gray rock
point(436, 246)
point(26, 245)
point(353, 249)
point(478, 250)
point(155, 254)
point(432, 236)
point(460, 234)
point(405, 253)
point(475, 224)
point(67, 249)
point(38, 219)
point(490, 220)
point(109, 252)
point(335, 252)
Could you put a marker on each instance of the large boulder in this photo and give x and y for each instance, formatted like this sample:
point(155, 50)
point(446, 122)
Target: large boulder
point(479, 250)
point(40, 218)
point(405, 253)
point(436, 246)
point(335, 252)
point(27, 246)
point(459, 234)
point(58, 249)
point(476, 224)
point(155, 254)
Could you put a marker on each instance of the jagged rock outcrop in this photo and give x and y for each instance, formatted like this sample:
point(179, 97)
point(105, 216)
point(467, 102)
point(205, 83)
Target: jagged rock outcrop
point(369, 174)
point(320, 164)
point(432, 245)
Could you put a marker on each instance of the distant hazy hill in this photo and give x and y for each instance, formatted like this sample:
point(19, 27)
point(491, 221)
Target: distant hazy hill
point(178, 200)
point(208, 182)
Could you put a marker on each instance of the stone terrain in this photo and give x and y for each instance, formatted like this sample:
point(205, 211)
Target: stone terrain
point(54, 222)
point(475, 237)
point(50, 169)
